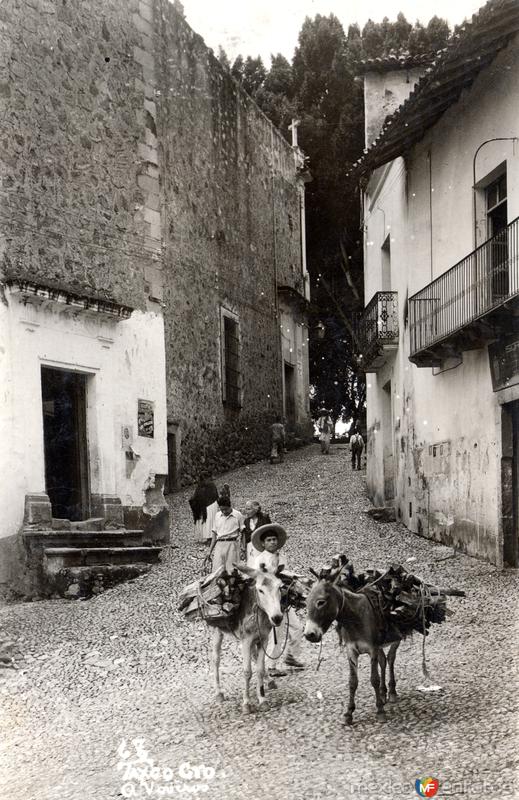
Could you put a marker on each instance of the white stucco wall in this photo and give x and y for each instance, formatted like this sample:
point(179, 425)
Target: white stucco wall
point(294, 347)
point(124, 362)
point(383, 93)
point(453, 496)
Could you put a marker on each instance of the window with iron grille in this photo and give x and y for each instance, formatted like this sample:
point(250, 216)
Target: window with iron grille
point(231, 376)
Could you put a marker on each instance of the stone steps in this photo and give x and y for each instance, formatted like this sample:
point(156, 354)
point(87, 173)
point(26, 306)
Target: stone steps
point(78, 563)
point(84, 582)
point(56, 558)
point(42, 539)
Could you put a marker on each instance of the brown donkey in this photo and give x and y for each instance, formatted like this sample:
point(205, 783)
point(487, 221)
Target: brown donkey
point(383, 610)
point(362, 631)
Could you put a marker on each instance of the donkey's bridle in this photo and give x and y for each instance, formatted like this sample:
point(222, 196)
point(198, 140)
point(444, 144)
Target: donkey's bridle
point(256, 607)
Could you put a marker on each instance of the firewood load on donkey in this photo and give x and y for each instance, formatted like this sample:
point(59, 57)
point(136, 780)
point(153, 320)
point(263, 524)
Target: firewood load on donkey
point(255, 609)
point(259, 612)
point(374, 612)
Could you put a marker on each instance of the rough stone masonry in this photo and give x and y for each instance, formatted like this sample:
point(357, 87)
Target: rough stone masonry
point(133, 168)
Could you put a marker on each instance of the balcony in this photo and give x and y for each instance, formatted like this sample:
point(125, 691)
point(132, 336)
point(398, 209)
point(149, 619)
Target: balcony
point(377, 330)
point(470, 305)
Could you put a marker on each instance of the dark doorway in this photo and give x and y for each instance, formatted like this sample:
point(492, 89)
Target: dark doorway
point(510, 484)
point(497, 221)
point(172, 478)
point(387, 443)
point(290, 394)
point(65, 442)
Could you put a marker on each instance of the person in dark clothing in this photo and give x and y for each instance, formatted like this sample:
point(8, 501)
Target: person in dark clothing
point(356, 447)
point(277, 439)
point(204, 507)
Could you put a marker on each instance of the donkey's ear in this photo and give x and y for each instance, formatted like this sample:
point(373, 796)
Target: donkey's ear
point(314, 573)
point(280, 569)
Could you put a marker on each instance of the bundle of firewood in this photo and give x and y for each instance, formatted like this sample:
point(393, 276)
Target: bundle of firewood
point(294, 591)
point(404, 600)
point(215, 598)
point(341, 571)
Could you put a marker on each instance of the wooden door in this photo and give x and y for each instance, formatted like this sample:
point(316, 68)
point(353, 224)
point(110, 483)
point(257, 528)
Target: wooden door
point(65, 442)
point(510, 484)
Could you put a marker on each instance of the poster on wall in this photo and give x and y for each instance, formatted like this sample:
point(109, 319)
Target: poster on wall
point(145, 419)
point(504, 363)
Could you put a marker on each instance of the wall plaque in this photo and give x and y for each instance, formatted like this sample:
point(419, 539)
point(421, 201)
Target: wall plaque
point(504, 362)
point(145, 419)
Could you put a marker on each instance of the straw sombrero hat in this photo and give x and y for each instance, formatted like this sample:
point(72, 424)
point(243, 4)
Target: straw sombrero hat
point(263, 530)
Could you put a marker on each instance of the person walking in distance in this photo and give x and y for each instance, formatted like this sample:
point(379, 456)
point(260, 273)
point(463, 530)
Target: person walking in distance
point(325, 425)
point(277, 437)
point(356, 447)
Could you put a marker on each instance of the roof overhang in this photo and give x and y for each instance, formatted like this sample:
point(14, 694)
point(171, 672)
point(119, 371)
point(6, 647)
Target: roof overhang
point(46, 295)
point(469, 52)
point(395, 61)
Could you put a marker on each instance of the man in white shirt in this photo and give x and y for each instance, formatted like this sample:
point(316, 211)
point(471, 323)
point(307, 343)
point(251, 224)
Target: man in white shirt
point(325, 426)
point(226, 535)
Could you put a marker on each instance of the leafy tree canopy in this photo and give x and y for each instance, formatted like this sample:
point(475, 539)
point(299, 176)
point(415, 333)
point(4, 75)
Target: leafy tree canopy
point(319, 89)
point(223, 58)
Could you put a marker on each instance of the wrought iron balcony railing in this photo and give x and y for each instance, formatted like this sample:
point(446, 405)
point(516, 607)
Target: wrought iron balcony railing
point(460, 310)
point(377, 329)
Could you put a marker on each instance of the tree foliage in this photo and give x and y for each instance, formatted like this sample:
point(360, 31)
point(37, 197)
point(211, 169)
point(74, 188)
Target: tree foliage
point(223, 58)
point(340, 388)
point(319, 89)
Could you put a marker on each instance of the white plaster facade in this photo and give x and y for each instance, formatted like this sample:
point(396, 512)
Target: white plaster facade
point(124, 361)
point(383, 93)
point(435, 435)
point(294, 350)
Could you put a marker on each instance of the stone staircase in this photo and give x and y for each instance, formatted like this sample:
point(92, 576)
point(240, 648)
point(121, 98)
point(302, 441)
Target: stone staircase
point(82, 559)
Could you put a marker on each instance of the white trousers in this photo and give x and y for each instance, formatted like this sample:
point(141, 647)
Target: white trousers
point(293, 645)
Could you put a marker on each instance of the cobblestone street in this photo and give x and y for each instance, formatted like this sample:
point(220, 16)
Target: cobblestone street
point(125, 665)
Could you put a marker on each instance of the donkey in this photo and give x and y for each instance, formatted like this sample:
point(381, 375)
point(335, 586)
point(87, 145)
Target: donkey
point(259, 612)
point(362, 630)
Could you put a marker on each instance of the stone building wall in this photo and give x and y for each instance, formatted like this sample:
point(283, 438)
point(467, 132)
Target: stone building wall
point(78, 219)
point(133, 168)
point(72, 110)
point(232, 229)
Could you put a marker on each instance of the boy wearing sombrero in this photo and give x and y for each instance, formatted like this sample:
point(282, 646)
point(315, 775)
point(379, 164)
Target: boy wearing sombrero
point(268, 541)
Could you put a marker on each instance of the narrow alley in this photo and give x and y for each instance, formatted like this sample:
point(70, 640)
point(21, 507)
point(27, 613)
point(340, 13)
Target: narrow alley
point(95, 675)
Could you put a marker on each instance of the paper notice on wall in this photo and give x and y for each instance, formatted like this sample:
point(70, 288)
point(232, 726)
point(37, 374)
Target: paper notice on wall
point(126, 436)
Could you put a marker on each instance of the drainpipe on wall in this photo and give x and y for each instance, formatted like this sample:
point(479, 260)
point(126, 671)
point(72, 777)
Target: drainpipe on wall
point(429, 160)
point(428, 511)
point(276, 300)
